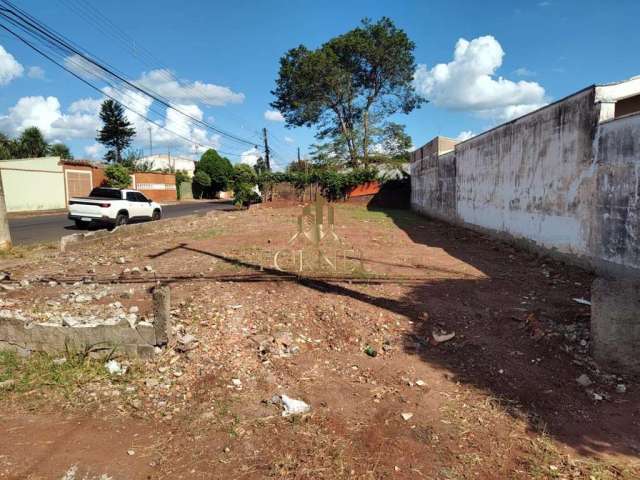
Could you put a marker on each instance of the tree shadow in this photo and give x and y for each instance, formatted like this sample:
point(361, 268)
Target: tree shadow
point(509, 340)
point(506, 342)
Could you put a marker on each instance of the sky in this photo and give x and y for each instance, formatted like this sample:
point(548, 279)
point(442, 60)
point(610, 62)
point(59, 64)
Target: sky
point(478, 63)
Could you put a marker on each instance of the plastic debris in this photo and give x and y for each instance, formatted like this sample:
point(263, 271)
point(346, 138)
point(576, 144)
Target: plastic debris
point(369, 350)
point(114, 367)
point(293, 407)
point(581, 301)
point(444, 337)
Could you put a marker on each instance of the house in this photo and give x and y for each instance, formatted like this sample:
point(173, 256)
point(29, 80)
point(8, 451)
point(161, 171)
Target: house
point(169, 163)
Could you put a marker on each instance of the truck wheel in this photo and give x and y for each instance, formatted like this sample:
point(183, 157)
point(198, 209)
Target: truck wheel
point(121, 219)
point(157, 215)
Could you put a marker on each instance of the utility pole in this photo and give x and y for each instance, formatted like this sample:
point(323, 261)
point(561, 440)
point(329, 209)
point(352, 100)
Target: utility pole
point(150, 143)
point(266, 149)
point(5, 234)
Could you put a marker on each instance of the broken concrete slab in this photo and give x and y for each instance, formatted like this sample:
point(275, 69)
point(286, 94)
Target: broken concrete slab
point(615, 323)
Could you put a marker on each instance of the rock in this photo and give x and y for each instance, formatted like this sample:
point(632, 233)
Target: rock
point(186, 343)
point(134, 309)
point(584, 380)
point(406, 416)
point(152, 382)
point(420, 383)
point(83, 298)
point(441, 338)
point(236, 382)
point(7, 384)
point(135, 272)
point(131, 452)
point(53, 283)
point(121, 260)
point(621, 388)
point(24, 283)
point(59, 361)
point(4, 276)
point(597, 397)
point(148, 268)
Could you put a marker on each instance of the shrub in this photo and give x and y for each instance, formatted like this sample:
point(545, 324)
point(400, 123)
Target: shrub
point(202, 181)
point(117, 176)
point(219, 170)
point(244, 179)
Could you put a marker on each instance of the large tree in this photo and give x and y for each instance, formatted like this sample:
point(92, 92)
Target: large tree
point(117, 132)
point(60, 150)
point(348, 84)
point(219, 170)
point(32, 143)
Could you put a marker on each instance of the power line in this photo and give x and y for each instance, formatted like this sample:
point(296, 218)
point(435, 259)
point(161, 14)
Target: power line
point(47, 56)
point(39, 30)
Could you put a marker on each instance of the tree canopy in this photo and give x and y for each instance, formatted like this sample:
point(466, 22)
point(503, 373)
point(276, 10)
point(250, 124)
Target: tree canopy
point(349, 84)
point(116, 132)
point(31, 144)
point(218, 168)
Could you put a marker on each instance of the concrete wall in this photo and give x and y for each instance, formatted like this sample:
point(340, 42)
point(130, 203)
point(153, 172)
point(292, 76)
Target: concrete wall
point(564, 178)
point(616, 228)
point(33, 184)
point(533, 178)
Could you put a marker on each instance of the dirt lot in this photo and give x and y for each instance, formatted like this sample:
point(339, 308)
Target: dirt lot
point(367, 349)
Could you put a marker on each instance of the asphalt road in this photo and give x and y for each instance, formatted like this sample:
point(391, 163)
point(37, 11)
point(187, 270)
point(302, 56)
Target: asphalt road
point(49, 228)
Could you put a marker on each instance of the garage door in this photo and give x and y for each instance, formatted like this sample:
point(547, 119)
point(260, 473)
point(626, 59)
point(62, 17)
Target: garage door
point(78, 183)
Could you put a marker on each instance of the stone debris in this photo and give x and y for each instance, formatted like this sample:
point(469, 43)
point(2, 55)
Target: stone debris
point(185, 343)
point(406, 416)
point(114, 367)
point(584, 380)
point(621, 388)
point(582, 301)
point(442, 337)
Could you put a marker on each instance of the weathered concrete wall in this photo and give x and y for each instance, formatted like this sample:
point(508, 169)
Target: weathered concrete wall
point(564, 178)
point(615, 236)
point(433, 178)
point(534, 177)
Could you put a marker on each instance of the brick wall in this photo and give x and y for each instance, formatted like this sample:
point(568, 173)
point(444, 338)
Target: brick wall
point(160, 187)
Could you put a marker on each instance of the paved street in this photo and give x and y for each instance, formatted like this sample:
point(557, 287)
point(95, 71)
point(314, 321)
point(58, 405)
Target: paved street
point(47, 228)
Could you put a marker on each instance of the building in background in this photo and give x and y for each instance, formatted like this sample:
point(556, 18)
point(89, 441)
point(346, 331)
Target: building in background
point(33, 184)
point(170, 162)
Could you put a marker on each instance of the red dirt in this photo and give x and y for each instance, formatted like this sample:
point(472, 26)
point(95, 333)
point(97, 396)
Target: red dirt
point(499, 400)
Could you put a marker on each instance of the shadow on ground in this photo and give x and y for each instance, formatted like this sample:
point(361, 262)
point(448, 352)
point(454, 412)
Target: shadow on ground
point(505, 343)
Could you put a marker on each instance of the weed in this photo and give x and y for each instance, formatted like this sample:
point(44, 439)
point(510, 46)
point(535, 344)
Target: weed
point(41, 371)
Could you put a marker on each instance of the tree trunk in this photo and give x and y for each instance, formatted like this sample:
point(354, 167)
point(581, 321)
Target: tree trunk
point(365, 140)
point(5, 234)
point(348, 135)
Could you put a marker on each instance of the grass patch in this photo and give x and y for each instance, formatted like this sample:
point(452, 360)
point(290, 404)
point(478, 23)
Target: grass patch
point(207, 234)
point(545, 461)
point(23, 251)
point(382, 216)
point(40, 371)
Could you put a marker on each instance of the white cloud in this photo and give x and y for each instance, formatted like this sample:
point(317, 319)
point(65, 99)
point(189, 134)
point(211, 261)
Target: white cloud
point(289, 140)
point(468, 82)
point(163, 83)
point(273, 115)
point(36, 73)
point(82, 67)
point(544, 4)
point(10, 68)
point(94, 151)
point(86, 105)
point(524, 72)
point(47, 115)
point(465, 135)
point(250, 157)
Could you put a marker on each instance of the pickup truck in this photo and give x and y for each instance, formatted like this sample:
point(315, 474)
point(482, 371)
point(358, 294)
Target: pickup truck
point(112, 207)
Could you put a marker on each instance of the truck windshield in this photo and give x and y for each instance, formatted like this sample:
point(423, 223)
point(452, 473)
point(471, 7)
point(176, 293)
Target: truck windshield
point(106, 193)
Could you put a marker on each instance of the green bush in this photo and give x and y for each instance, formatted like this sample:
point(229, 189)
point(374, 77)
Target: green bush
point(219, 170)
point(202, 182)
point(244, 179)
point(181, 177)
point(117, 176)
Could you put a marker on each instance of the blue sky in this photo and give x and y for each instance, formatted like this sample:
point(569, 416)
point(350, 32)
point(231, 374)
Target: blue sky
point(518, 56)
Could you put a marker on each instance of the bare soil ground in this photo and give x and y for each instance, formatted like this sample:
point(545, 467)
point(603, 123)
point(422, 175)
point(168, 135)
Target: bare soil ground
point(499, 400)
